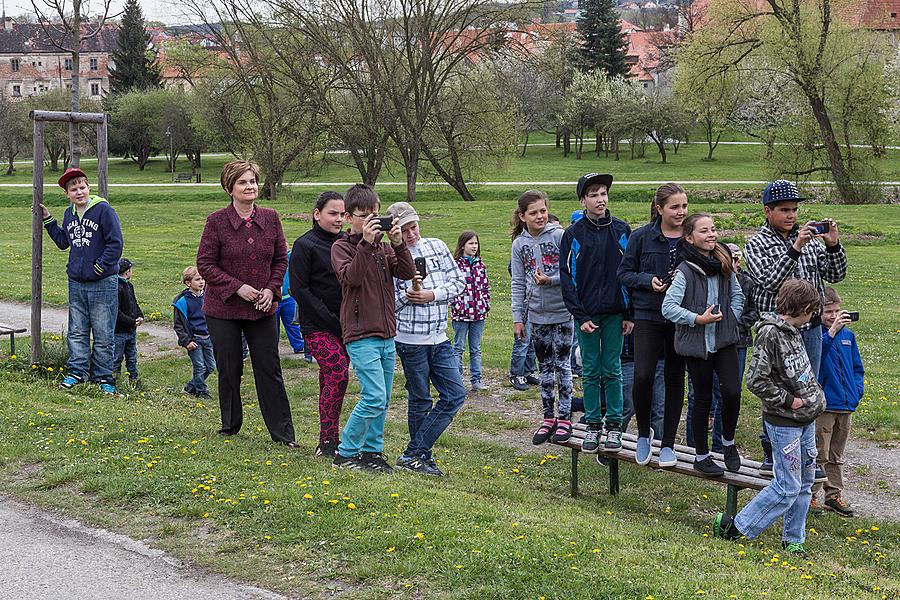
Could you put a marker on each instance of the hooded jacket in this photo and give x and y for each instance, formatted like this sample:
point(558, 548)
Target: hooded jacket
point(646, 256)
point(129, 309)
point(313, 282)
point(780, 371)
point(181, 320)
point(94, 238)
point(591, 252)
point(366, 273)
point(474, 302)
point(533, 303)
point(841, 373)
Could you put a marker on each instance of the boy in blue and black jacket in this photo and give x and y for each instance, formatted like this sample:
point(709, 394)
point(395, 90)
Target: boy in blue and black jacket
point(91, 231)
point(189, 322)
point(591, 251)
point(842, 377)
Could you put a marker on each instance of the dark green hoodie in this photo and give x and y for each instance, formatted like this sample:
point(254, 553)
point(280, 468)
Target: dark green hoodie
point(780, 371)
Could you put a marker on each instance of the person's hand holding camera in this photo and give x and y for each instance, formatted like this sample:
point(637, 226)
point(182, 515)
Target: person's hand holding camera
point(419, 295)
point(708, 316)
point(371, 229)
point(806, 233)
point(831, 237)
point(842, 321)
point(396, 234)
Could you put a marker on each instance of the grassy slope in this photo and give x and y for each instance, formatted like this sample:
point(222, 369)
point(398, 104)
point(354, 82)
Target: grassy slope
point(501, 526)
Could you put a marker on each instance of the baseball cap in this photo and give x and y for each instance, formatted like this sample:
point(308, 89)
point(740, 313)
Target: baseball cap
point(70, 173)
point(589, 179)
point(124, 265)
point(404, 212)
point(781, 190)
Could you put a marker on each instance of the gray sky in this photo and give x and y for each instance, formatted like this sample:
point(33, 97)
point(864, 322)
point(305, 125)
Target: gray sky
point(154, 10)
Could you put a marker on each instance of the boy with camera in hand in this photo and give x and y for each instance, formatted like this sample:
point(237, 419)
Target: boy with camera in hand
point(841, 375)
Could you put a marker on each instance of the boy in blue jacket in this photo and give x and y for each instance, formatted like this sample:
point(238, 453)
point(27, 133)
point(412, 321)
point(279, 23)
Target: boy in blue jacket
point(189, 322)
point(91, 232)
point(590, 254)
point(841, 376)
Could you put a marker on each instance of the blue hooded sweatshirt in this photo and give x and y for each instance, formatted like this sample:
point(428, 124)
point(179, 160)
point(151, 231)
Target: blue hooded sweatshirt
point(841, 371)
point(94, 238)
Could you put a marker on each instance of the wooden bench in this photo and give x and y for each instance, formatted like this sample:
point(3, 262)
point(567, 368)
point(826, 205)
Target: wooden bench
point(11, 332)
point(187, 177)
point(747, 478)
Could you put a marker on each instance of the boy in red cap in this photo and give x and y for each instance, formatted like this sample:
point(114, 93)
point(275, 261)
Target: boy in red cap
point(91, 231)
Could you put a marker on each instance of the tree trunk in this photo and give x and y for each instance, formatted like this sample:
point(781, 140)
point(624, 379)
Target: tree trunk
point(616, 147)
point(558, 137)
point(832, 149)
point(598, 143)
point(525, 144)
point(10, 169)
point(74, 128)
point(567, 142)
point(412, 172)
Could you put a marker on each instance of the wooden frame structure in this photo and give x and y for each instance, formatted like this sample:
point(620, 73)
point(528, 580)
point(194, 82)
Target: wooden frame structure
point(37, 250)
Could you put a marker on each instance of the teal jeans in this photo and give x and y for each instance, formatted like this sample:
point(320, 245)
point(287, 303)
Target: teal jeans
point(373, 363)
point(601, 357)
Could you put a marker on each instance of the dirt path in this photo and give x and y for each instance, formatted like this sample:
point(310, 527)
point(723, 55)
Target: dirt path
point(155, 340)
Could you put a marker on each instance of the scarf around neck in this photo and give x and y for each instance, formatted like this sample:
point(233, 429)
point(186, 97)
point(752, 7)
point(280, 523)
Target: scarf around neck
point(709, 264)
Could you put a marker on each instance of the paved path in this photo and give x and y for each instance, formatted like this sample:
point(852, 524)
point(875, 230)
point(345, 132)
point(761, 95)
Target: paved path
point(46, 556)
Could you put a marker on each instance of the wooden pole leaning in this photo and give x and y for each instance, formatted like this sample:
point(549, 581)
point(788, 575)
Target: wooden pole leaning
point(37, 252)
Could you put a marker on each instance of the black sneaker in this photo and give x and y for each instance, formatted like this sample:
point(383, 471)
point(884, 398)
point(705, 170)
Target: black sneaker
point(532, 380)
point(613, 439)
point(821, 477)
point(327, 448)
point(562, 432)
point(518, 382)
point(708, 468)
point(767, 466)
point(543, 432)
point(723, 527)
point(374, 461)
point(602, 459)
point(795, 549)
point(419, 465)
point(591, 440)
point(352, 463)
point(732, 458)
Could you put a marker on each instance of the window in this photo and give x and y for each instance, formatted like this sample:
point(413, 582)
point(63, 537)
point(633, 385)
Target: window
point(94, 65)
point(68, 64)
point(14, 63)
point(17, 90)
point(95, 89)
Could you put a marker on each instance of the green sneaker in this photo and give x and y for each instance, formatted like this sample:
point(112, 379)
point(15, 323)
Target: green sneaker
point(795, 549)
point(724, 528)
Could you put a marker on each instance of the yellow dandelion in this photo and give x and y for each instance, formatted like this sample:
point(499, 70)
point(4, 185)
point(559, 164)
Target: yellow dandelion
point(395, 495)
point(391, 549)
point(307, 496)
point(267, 502)
point(420, 535)
point(351, 506)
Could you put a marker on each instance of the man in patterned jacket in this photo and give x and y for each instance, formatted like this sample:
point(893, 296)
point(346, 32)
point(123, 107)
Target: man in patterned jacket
point(784, 249)
point(422, 345)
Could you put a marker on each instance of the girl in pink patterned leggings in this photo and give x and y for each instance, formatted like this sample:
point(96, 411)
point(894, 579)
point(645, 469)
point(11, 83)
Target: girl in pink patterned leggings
point(318, 295)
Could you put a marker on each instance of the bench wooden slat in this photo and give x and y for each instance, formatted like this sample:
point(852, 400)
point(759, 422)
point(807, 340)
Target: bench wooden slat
point(8, 329)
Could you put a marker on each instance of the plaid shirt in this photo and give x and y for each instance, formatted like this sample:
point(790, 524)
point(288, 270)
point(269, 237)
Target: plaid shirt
point(426, 324)
point(771, 260)
point(474, 302)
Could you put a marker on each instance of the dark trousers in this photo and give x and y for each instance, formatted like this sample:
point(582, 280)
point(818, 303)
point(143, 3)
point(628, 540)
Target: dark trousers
point(723, 363)
point(648, 338)
point(262, 339)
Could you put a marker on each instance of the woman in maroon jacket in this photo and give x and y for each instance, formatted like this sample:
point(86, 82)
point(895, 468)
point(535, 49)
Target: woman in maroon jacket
point(243, 258)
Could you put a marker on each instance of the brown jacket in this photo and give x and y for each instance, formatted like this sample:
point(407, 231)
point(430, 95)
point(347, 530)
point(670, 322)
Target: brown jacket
point(366, 273)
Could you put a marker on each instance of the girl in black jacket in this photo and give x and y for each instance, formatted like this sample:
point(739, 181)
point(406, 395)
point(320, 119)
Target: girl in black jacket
point(647, 269)
point(318, 295)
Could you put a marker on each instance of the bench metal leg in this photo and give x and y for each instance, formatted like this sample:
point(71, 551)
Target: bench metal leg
point(731, 500)
point(574, 486)
point(613, 476)
point(12, 344)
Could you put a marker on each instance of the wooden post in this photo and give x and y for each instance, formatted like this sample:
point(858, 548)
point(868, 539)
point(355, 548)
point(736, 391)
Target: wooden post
point(731, 500)
point(613, 476)
point(574, 485)
point(102, 157)
point(37, 239)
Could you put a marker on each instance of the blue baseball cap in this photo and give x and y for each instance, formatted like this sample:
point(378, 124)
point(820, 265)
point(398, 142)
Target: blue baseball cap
point(576, 216)
point(781, 190)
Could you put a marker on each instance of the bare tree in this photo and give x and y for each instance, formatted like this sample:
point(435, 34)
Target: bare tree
point(67, 28)
point(16, 133)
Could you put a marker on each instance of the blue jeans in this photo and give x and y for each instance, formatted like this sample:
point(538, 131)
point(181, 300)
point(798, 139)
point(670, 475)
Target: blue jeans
point(373, 362)
point(427, 419)
point(523, 360)
point(715, 412)
point(204, 363)
point(93, 307)
point(794, 452)
point(285, 312)
point(742, 363)
point(471, 330)
point(812, 339)
point(126, 348)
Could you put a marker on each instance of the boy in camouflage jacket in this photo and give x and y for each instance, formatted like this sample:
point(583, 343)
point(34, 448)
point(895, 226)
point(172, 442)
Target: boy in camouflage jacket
point(781, 375)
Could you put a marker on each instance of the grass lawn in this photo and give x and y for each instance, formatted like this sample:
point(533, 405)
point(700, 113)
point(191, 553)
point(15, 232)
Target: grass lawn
point(540, 163)
point(502, 525)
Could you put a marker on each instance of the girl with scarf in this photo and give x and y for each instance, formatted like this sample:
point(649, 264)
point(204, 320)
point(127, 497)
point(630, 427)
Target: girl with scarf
point(705, 302)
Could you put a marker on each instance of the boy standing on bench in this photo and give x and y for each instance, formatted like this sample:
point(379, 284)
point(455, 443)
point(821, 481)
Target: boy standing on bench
point(781, 375)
